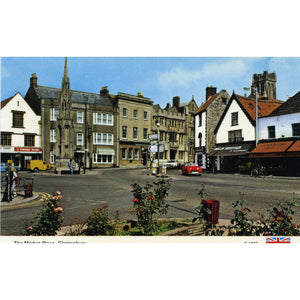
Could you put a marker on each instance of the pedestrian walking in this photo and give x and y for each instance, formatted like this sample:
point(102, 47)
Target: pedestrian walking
point(71, 166)
point(81, 166)
point(14, 181)
point(7, 193)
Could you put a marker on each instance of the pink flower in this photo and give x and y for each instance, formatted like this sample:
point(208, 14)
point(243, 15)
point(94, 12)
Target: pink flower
point(54, 198)
point(58, 193)
point(58, 209)
point(29, 228)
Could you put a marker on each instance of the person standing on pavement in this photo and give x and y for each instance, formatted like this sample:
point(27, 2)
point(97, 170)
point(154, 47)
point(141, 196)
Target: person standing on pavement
point(71, 166)
point(14, 181)
point(7, 193)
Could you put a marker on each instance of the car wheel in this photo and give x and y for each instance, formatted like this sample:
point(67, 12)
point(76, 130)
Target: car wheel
point(36, 169)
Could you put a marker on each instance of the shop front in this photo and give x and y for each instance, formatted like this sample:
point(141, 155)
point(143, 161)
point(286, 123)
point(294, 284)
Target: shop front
point(279, 157)
point(20, 155)
point(231, 157)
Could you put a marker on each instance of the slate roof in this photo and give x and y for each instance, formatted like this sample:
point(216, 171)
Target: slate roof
point(291, 106)
point(77, 96)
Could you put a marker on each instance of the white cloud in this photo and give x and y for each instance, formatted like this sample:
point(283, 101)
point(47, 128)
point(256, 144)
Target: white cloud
point(232, 68)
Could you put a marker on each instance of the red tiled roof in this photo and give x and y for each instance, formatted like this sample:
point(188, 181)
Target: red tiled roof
point(264, 106)
point(207, 102)
point(4, 102)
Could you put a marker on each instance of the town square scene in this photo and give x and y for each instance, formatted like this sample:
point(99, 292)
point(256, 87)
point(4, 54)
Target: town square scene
point(154, 146)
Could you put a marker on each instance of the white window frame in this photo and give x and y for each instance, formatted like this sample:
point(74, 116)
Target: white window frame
point(52, 135)
point(130, 153)
point(145, 115)
point(79, 142)
point(135, 134)
point(126, 129)
point(136, 154)
point(80, 117)
point(124, 151)
point(145, 133)
point(52, 157)
point(103, 119)
point(103, 159)
point(54, 113)
point(103, 138)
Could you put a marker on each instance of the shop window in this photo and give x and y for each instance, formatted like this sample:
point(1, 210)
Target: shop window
point(136, 154)
point(5, 139)
point(29, 140)
point(124, 153)
point(296, 129)
point(130, 153)
point(18, 119)
point(271, 132)
point(102, 158)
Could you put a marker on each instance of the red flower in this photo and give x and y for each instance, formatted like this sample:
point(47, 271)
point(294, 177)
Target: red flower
point(105, 206)
point(293, 224)
point(150, 198)
point(58, 210)
point(244, 209)
point(135, 200)
point(282, 229)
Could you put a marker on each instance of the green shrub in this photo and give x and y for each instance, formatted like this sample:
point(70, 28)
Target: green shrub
point(48, 220)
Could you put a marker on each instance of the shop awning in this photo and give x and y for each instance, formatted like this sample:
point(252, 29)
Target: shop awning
point(294, 150)
point(232, 150)
point(271, 149)
point(106, 151)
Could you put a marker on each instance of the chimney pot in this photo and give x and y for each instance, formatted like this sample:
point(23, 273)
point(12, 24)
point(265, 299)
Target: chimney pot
point(210, 91)
point(33, 80)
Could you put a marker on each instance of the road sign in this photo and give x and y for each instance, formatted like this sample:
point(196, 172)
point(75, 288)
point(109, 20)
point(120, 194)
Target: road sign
point(153, 136)
point(153, 148)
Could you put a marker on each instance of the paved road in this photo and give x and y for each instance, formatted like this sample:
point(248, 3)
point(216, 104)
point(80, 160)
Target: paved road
point(81, 193)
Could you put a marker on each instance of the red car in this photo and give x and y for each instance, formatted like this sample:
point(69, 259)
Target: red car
point(191, 169)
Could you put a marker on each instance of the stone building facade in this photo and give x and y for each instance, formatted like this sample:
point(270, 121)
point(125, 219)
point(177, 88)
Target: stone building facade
point(135, 115)
point(176, 130)
point(265, 84)
point(75, 125)
point(206, 120)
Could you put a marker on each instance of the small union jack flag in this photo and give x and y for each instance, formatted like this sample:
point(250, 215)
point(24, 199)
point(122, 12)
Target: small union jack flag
point(278, 240)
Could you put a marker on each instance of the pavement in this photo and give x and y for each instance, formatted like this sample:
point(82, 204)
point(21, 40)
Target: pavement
point(19, 199)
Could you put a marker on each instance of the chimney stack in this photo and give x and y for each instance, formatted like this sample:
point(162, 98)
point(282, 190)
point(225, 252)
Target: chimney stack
point(176, 101)
point(104, 91)
point(33, 80)
point(210, 91)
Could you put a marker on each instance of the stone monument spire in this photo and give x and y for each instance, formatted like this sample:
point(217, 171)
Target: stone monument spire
point(65, 142)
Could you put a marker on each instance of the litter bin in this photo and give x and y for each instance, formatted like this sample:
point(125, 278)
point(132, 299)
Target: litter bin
point(211, 211)
point(28, 190)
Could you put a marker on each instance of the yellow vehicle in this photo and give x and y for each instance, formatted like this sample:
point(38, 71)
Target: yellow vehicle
point(38, 165)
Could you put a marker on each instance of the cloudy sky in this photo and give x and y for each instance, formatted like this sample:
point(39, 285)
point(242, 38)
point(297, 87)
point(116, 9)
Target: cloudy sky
point(159, 78)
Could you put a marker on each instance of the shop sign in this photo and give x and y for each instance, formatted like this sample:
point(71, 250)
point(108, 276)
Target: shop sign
point(27, 149)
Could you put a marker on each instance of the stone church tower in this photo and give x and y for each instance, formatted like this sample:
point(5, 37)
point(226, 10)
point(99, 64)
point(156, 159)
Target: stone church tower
point(65, 126)
point(265, 84)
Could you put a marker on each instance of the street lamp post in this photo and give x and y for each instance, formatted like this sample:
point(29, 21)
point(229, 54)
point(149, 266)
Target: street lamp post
point(157, 124)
